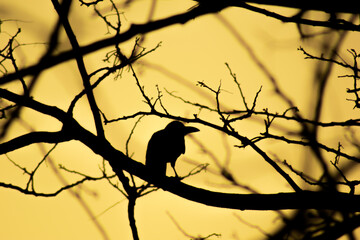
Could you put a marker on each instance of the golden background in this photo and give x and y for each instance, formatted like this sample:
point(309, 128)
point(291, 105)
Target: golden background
point(195, 51)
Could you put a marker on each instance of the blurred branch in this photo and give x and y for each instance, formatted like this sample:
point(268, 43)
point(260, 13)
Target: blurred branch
point(343, 204)
point(27, 88)
point(340, 228)
point(81, 66)
point(188, 235)
point(182, 18)
point(134, 30)
point(263, 232)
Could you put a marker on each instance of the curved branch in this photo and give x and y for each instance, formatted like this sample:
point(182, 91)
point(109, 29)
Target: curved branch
point(136, 29)
point(120, 162)
point(290, 200)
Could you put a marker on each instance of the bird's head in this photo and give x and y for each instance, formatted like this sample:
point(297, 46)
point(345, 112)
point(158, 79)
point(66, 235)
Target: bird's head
point(179, 128)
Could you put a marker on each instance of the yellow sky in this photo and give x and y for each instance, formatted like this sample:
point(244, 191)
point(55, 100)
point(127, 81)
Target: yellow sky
point(196, 51)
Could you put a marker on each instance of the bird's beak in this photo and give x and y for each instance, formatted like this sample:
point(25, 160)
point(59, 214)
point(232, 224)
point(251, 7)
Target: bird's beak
point(188, 130)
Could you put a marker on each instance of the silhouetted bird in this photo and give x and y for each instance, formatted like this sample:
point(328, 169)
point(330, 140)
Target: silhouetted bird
point(166, 146)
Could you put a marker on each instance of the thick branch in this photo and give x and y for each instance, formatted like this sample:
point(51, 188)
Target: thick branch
point(349, 6)
point(31, 138)
point(119, 162)
point(299, 200)
point(35, 105)
point(345, 6)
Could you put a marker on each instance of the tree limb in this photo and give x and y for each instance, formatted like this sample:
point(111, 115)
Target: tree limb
point(349, 6)
point(31, 138)
point(345, 6)
point(119, 162)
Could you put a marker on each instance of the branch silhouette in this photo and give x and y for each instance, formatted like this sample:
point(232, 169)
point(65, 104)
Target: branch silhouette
point(326, 202)
point(119, 162)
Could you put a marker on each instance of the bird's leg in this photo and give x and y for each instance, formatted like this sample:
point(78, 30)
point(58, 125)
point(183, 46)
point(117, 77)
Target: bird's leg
point(173, 167)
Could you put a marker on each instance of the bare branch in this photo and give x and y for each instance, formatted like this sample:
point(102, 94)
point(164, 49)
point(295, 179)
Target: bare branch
point(51, 194)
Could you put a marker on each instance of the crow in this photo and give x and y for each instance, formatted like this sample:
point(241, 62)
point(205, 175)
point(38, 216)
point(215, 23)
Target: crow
point(166, 146)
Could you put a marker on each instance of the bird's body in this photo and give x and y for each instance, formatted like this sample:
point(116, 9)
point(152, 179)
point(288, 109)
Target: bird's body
point(166, 146)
